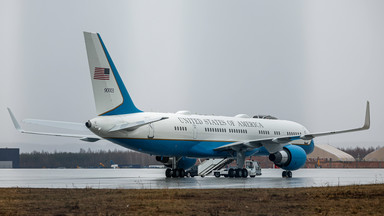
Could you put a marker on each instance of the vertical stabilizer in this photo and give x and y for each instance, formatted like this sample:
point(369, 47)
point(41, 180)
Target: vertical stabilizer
point(111, 96)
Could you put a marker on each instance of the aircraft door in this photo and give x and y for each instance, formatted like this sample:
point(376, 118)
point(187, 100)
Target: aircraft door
point(194, 132)
point(151, 132)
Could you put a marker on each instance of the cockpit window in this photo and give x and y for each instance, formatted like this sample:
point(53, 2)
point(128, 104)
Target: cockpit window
point(265, 117)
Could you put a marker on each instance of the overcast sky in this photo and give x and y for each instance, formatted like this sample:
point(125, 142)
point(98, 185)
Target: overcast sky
point(313, 62)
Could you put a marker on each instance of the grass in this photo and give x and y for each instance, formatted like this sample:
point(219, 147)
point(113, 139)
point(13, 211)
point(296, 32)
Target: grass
point(346, 200)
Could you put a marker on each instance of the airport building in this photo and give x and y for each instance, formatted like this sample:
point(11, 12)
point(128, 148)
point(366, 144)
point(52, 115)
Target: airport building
point(377, 155)
point(9, 158)
point(329, 153)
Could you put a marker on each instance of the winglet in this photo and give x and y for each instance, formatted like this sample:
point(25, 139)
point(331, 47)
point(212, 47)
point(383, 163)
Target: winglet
point(367, 122)
point(15, 123)
point(366, 126)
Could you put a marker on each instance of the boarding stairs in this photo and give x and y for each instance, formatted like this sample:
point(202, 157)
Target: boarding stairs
point(209, 165)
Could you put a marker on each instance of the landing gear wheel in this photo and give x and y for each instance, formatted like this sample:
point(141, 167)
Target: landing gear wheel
point(238, 173)
point(284, 174)
point(175, 173)
point(168, 173)
point(289, 174)
point(181, 173)
point(231, 173)
point(245, 173)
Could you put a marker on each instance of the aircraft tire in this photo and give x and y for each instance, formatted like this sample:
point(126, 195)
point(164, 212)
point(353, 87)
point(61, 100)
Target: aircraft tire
point(217, 174)
point(289, 174)
point(168, 173)
point(245, 173)
point(181, 173)
point(238, 173)
point(284, 174)
point(231, 173)
point(175, 173)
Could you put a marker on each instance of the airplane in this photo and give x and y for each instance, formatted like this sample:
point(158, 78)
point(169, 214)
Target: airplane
point(179, 139)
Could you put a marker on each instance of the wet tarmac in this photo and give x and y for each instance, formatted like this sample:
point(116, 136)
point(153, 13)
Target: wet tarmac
point(154, 179)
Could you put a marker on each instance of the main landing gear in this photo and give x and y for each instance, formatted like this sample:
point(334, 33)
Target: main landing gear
point(175, 173)
point(287, 174)
point(238, 173)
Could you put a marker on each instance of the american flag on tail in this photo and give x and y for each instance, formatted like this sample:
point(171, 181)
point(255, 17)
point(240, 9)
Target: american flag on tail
point(101, 73)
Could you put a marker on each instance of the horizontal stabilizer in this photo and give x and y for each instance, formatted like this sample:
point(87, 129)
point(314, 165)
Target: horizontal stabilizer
point(57, 124)
point(87, 138)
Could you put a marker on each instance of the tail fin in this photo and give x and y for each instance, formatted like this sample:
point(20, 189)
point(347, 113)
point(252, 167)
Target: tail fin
point(111, 96)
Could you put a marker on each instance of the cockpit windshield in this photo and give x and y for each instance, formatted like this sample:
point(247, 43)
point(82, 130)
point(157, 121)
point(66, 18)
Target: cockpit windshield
point(265, 117)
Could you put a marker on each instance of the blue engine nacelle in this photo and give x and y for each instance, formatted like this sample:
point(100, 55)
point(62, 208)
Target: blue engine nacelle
point(290, 158)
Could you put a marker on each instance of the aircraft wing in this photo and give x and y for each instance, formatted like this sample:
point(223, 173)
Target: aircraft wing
point(87, 138)
point(277, 143)
point(271, 144)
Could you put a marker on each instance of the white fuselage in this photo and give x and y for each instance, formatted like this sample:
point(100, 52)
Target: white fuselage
point(194, 128)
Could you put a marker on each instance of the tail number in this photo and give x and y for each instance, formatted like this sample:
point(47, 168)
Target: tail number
point(109, 90)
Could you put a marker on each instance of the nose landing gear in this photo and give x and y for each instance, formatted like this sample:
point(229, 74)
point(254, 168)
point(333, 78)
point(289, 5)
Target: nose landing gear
point(287, 174)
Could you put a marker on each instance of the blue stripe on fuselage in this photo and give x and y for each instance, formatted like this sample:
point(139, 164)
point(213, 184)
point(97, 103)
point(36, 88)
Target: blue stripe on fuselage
point(172, 147)
point(189, 148)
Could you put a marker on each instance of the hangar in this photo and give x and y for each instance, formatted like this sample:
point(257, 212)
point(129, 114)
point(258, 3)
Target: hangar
point(327, 152)
point(9, 158)
point(377, 155)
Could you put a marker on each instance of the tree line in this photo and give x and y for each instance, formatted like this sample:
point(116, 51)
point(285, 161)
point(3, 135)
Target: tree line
point(86, 159)
point(94, 159)
point(359, 153)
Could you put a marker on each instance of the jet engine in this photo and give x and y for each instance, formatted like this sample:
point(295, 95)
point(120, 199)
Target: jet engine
point(290, 158)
